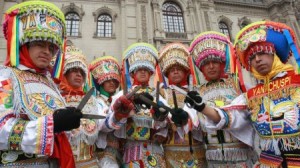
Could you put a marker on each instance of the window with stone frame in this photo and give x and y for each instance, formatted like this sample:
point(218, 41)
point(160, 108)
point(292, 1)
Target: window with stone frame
point(104, 25)
point(72, 24)
point(224, 29)
point(173, 18)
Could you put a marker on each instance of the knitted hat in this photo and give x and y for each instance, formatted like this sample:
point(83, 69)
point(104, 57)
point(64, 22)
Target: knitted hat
point(105, 68)
point(267, 37)
point(173, 54)
point(34, 21)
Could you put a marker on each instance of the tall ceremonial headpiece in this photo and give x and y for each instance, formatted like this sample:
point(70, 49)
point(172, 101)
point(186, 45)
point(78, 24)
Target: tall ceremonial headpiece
point(138, 55)
point(214, 46)
point(268, 37)
point(34, 21)
point(75, 59)
point(174, 54)
point(104, 68)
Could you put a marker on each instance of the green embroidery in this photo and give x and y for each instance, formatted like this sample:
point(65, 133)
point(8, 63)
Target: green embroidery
point(16, 135)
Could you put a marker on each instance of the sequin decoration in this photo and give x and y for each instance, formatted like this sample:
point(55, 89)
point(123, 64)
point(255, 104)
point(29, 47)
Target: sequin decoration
point(53, 24)
point(49, 100)
point(151, 160)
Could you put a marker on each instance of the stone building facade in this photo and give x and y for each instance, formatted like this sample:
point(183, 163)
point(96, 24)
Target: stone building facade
point(108, 27)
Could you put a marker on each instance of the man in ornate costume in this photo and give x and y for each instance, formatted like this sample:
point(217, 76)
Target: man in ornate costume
point(33, 114)
point(137, 124)
point(105, 76)
point(263, 49)
point(84, 138)
point(212, 53)
point(174, 63)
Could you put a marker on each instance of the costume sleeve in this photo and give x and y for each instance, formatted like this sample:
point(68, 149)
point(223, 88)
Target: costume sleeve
point(192, 124)
point(235, 118)
point(110, 123)
point(17, 132)
point(161, 124)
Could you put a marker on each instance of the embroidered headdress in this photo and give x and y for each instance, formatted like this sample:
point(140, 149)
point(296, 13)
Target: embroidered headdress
point(138, 55)
point(104, 68)
point(34, 21)
point(211, 46)
point(141, 55)
point(75, 59)
point(214, 46)
point(173, 54)
point(267, 37)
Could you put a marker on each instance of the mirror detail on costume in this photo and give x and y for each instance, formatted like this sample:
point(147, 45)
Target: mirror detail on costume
point(82, 139)
point(140, 150)
point(105, 76)
point(32, 109)
point(263, 49)
point(173, 60)
point(226, 146)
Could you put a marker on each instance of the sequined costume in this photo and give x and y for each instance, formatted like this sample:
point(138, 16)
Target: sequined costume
point(103, 69)
point(28, 97)
point(26, 116)
point(83, 139)
point(224, 145)
point(274, 101)
point(139, 150)
point(177, 148)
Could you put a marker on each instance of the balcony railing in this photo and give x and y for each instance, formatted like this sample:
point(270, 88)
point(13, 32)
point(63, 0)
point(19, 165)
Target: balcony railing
point(176, 35)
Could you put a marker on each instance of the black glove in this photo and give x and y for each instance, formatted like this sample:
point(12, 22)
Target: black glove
point(179, 117)
point(66, 119)
point(159, 114)
point(195, 100)
point(140, 102)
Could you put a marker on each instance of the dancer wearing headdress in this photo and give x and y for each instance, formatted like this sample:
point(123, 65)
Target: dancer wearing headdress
point(105, 77)
point(33, 114)
point(225, 147)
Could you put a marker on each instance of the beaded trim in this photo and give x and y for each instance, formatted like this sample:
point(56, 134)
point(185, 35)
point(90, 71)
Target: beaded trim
point(16, 135)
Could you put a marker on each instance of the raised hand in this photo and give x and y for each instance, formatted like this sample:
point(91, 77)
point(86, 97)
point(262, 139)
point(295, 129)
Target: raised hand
point(159, 113)
point(140, 102)
point(66, 119)
point(195, 100)
point(179, 117)
point(122, 107)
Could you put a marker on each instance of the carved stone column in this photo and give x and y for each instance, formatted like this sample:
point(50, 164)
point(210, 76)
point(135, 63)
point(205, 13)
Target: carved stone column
point(296, 6)
point(157, 22)
point(208, 13)
point(158, 28)
point(1, 9)
point(190, 13)
point(124, 25)
point(143, 24)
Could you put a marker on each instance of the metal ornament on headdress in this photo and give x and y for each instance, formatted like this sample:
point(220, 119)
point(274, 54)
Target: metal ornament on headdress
point(34, 21)
point(75, 59)
point(263, 35)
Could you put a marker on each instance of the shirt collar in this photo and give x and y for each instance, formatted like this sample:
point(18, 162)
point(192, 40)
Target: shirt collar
point(279, 75)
